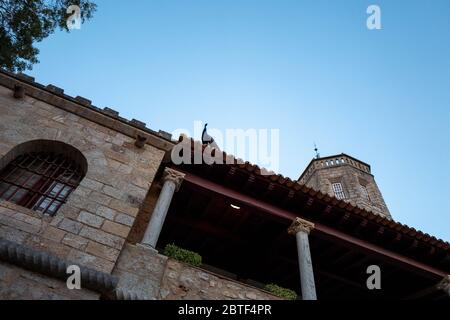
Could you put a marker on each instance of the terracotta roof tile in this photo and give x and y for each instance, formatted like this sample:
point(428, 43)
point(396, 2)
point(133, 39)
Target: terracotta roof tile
point(356, 210)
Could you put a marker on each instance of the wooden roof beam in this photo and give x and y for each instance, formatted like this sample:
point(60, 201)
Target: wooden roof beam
point(321, 230)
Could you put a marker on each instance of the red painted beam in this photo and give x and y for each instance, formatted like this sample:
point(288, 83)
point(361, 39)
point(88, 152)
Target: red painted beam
point(320, 229)
point(379, 252)
point(237, 197)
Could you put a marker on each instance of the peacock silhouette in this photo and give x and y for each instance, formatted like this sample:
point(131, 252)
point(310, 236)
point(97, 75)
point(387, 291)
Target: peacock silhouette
point(207, 139)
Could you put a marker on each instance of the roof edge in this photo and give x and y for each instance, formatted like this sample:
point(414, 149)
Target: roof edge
point(331, 157)
point(83, 107)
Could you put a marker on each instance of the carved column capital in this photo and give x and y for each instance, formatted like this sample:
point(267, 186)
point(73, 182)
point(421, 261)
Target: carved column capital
point(300, 225)
point(444, 285)
point(174, 176)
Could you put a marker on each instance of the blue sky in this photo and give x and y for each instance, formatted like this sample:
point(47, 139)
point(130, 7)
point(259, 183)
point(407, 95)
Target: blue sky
point(309, 68)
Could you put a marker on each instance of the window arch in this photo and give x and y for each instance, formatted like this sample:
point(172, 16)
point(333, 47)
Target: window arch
point(41, 174)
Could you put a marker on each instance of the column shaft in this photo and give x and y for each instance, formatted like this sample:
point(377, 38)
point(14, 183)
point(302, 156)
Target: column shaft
point(172, 180)
point(301, 229)
point(156, 223)
point(306, 269)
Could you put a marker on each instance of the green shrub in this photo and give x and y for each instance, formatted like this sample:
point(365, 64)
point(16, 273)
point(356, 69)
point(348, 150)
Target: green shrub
point(183, 255)
point(281, 292)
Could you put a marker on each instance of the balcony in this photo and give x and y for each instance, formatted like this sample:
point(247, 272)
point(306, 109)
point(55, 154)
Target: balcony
point(239, 226)
point(152, 276)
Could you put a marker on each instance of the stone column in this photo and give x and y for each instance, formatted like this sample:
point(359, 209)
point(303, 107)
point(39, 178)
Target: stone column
point(172, 180)
point(301, 229)
point(444, 285)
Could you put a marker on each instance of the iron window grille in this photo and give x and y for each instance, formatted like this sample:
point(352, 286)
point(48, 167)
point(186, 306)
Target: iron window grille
point(338, 190)
point(365, 193)
point(39, 181)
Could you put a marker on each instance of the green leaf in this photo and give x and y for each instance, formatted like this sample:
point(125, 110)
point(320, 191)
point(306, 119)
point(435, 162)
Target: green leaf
point(281, 292)
point(24, 23)
point(183, 255)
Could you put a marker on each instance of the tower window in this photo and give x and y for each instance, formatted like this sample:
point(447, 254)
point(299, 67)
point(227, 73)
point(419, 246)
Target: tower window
point(338, 190)
point(365, 193)
point(39, 181)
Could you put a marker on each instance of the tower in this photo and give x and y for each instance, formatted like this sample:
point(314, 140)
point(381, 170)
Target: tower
point(347, 179)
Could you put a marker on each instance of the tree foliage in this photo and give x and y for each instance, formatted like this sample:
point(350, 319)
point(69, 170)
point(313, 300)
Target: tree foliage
point(26, 22)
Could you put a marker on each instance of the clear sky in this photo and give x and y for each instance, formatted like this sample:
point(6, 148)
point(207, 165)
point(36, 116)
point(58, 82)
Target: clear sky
point(309, 68)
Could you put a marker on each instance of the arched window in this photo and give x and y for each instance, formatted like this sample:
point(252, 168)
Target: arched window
point(40, 175)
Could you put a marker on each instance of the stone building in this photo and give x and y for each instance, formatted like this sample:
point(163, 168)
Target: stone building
point(82, 186)
point(346, 178)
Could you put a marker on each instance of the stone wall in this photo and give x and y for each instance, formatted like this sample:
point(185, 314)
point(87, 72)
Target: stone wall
point(352, 179)
point(140, 271)
point(91, 228)
point(19, 284)
point(148, 275)
point(145, 213)
point(183, 282)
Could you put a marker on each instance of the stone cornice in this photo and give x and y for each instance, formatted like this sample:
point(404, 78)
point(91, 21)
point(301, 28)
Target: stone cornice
point(300, 225)
point(173, 175)
point(52, 266)
point(82, 107)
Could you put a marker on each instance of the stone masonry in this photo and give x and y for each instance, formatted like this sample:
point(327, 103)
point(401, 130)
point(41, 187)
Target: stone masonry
point(91, 228)
point(102, 223)
point(16, 283)
point(354, 175)
point(145, 274)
